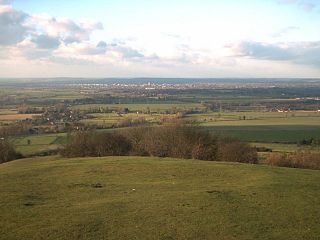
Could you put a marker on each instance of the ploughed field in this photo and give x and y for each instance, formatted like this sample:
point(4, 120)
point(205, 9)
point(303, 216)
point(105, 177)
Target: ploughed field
point(153, 198)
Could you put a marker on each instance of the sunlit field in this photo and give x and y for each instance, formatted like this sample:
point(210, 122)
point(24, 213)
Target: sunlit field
point(130, 197)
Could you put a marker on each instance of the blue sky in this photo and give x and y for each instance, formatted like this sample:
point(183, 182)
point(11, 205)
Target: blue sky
point(177, 38)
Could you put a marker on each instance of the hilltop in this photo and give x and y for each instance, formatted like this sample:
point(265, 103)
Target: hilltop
point(153, 198)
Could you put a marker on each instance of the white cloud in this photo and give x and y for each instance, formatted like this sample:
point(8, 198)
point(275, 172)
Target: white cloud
point(40, 37)
point(296, 52)
point(306, 5)
point(12, 25)
point(60, 40)
point(286, 31)
point(5, 2)
point(42, 40)
point(66, 29)
point(46, 42)
point(44, 30)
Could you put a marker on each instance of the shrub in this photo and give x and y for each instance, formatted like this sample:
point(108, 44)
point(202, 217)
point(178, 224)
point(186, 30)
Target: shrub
point(205, 147)
point(233, 150)
point(159, 142)
point(278, 159)
point(136, 137)
point(77, 145)
point(128, 122)
point(172, 141)
point(7, 151)
point(82, 144)
point(178, 141)
point(109, 144)
point(295, 160)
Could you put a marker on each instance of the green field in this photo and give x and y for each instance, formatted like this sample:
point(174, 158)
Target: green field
point(274, 137)
point(141, 107)
point(258, 119)
point(109, 119)
point(257, 126)
point(38, 143)
point(281, 134)
point(152, 198)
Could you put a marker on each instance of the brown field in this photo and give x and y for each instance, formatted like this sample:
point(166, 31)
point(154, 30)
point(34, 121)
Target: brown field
point(14, 117)
point(8, 111)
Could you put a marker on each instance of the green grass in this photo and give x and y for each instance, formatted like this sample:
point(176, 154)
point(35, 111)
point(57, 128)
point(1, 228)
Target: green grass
point(258, 119)
point(39, 143)
point(282, 134)
point(36, 140)
point(152, 198)
point(264, 126)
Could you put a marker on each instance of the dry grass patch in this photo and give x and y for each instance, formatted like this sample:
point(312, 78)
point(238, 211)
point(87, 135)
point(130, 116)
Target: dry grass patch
point(15, 117)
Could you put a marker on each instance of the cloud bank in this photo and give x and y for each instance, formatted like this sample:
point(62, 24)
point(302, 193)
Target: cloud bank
point(306, 5)
point(307, 53)
point(46, 38)
point(46, 42)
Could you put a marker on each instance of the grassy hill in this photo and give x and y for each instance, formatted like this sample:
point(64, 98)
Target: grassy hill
point(152, 198)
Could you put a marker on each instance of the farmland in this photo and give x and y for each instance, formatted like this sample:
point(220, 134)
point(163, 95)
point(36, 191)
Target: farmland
point(160, 120)
point(260, 118)
point(15, 117)
point(30, 145)
point(282, 134)
point(142, 107)
point(278, 138)
point(130, 197)
point(261, 113)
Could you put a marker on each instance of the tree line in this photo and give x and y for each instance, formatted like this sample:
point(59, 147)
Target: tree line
point(177, 141)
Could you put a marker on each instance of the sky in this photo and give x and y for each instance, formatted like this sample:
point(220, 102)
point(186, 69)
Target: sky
point(160, 38)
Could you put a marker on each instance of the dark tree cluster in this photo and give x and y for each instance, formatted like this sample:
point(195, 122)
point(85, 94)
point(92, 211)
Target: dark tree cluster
point(310, 142)
point(83, 144)
point(163, 141)
point(172, 141)
point(7, 151)
point(232, 150)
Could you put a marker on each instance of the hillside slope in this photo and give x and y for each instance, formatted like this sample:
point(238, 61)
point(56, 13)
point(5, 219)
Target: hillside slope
point(152, 198)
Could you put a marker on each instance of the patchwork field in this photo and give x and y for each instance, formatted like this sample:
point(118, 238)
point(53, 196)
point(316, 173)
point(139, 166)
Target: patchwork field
point(272, 127)
point(259, 119)
point(32, 144)
point(151, 198)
